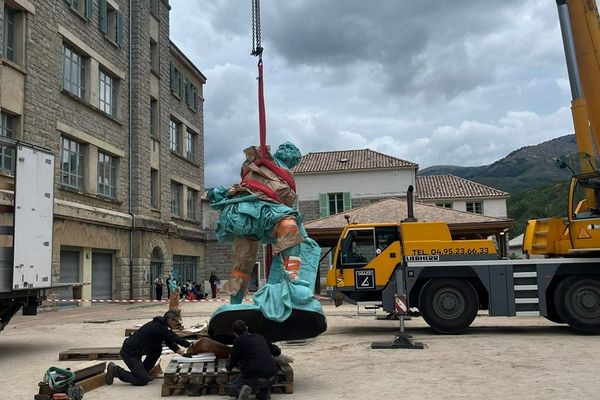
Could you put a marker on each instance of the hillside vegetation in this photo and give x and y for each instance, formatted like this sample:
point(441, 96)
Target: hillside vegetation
point(537, 187)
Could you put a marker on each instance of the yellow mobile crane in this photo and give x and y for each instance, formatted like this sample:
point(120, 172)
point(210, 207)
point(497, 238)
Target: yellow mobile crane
point(579, 232)
point(418, 266)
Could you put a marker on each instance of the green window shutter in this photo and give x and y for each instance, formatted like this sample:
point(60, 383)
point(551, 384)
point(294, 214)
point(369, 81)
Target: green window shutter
point(88, 9)
point(172, 76)
point(323, 205)
point(188, 96)
point(347, 201)
point(185, 89)
point(103, 16)
point(119, 28)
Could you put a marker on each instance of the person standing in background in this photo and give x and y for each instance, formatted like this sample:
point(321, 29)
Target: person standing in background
point(169, 279)
point(158, 287)
point(214, 281)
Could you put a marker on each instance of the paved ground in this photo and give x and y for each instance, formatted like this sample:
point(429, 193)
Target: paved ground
point(499, 358)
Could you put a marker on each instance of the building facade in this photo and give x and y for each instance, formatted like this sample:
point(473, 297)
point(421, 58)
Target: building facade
point(101, 85)
point(335, 181)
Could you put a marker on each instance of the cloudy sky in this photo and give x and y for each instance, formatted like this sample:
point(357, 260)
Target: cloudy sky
point(461, 82)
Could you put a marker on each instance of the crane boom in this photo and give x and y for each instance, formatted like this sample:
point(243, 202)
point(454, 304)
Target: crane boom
point(579, 232)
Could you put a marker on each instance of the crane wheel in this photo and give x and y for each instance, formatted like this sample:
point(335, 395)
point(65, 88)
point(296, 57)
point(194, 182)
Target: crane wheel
point(577, 301)
point(448, 305)
point(553, 315)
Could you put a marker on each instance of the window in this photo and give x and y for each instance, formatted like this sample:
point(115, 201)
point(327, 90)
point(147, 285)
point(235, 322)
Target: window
point(333, 203)
point(176, 87)
point(71, 165)
point(192, 197)
point(184, 268)
point(154, 120)
point(106, 175)
point(191, 96)
point(475, 207)
point(358, 247)
point(7, 154)
point(154, 7)
point(445, 205)
point(82, 7)
point(10, 34)
point(336, 203)
point(175, 142)
point(175, 198)
point(191, 145)
point(107, 100)
point(73, 72)
point(154, 189)
point(111, 22)
point(154, 66)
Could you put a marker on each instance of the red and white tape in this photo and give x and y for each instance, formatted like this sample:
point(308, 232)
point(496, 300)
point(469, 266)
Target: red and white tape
point(130, 301)
point(149, 301)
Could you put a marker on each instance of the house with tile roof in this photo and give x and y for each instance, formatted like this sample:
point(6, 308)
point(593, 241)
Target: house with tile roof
point(460, 194)
point(335, 181)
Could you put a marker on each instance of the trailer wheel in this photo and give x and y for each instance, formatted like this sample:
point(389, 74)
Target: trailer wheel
point(577, 301)
point(448, 305)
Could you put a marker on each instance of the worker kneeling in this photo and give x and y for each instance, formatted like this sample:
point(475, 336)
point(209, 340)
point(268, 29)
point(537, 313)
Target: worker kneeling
point(253, 355)
point(146, 341)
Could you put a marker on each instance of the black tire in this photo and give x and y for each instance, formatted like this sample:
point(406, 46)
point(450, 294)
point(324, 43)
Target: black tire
point(577, 301)
point(448, 305)
point(552, 314)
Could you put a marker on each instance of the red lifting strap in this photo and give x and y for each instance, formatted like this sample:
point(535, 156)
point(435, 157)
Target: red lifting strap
point(256, 185)
point(262, 122)
point(262, 125)
point(280, 172)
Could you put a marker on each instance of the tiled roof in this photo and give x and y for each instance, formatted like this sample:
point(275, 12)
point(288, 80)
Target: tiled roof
point(395, 210)
point(348, 160)
point(435, 187)
point(462, 224)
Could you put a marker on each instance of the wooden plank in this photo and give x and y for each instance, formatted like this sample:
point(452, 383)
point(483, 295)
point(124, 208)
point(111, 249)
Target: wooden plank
point(93, 382)
point(171, 368)
point(89, 371)
point(99, 353)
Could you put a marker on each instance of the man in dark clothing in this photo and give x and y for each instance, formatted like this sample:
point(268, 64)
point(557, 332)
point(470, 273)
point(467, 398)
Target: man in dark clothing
point(214, 281)
point(146, 341)
point(253, 355)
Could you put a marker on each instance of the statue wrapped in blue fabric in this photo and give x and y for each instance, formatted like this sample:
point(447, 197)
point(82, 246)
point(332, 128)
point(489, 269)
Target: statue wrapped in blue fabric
point(260, 210)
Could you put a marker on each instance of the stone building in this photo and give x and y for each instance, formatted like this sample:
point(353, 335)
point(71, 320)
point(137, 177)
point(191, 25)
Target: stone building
point(101, 85)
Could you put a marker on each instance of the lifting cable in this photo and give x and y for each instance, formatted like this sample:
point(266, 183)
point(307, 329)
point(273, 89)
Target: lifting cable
point(257, 51)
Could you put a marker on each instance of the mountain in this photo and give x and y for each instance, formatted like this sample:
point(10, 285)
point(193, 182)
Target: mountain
point(525, 168)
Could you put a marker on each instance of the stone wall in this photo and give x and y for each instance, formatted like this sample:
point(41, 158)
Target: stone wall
point(83, 219)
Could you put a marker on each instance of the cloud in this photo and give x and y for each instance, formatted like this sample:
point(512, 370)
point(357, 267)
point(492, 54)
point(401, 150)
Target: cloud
point(461, 82)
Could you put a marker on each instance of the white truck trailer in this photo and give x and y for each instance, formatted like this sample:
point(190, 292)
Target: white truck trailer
point(26, 216)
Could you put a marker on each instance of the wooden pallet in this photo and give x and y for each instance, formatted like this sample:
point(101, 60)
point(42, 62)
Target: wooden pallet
point(198, 378)
point(94, 353)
